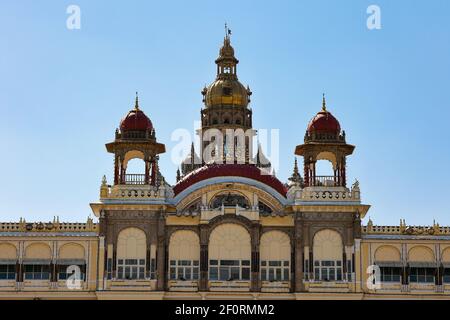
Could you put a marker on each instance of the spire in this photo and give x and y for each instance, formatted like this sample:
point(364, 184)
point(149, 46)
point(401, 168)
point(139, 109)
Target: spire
point(296, 177)
point(192, 154)
point(136, 105)
point(178, 175)
point(324, 104)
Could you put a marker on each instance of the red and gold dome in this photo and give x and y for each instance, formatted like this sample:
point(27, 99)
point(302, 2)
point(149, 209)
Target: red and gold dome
point(324, 122)
point(136, 120)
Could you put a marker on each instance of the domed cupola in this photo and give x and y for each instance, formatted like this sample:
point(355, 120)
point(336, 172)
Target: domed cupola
point(324, 141)
point(226, 90)
point(136, 120)
point(324, 122)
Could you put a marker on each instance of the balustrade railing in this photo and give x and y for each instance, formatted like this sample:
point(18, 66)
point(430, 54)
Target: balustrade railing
point(135, 179)
point(324, 181)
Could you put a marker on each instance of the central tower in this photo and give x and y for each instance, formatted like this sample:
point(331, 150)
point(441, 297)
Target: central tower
point(226, 108)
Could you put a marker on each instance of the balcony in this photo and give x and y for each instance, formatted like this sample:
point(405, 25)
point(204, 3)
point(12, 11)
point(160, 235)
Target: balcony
point(324, 181)
point(135, 179)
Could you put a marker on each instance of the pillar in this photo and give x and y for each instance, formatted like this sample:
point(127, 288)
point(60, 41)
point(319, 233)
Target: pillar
point(203, 283)
point(255, 278)
point(161, 255)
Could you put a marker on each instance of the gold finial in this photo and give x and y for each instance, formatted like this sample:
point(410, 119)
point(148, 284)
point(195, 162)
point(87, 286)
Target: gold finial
point(136, 105)
point(324, 104)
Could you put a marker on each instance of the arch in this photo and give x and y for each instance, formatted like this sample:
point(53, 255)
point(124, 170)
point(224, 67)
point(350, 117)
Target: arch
point(184, 245)
point(8, 251)
point(131, 244)
point(229, 241)
point(387, 253)
point(421, 254)
point(327, 245)
point(132, 154)
point(71, 251)
point(445, 257)
point(38, 251)
point(275, 245)
point(329, 156)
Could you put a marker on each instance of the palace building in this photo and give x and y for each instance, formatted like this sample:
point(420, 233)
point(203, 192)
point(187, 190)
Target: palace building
point(225, 230)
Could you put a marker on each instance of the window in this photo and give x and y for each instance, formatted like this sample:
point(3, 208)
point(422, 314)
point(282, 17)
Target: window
point(229, 270)
point(446, 275)
point(64, 275)
point(422, 275)
point(275, 270)
point(390, 274)
point(37, 272)
point(184, 270)
point(131, 269)
point(8, 272)
point(328, 270)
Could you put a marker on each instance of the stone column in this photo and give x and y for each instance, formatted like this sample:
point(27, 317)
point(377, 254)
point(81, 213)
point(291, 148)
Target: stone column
point(298, 247)
point(161, 255)
point(203, 281)
point(255, 278)
point(101, 263)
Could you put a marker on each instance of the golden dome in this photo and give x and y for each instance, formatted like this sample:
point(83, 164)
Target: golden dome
point(227, 92)
point(226, 89)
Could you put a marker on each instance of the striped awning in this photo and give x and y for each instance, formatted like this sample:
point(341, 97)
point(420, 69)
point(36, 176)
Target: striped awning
point(392, 264)
point(422, 264)
point(8, 261)
point(68, 262)
point(37, 261)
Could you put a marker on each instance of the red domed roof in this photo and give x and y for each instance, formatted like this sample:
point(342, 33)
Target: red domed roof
point(228, 170)
point(136, 120)
point(324, 121)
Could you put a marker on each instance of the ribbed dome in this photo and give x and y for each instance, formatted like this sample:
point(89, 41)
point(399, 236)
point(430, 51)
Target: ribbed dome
point(136, 120)
point(227, 92)
point(324, 122)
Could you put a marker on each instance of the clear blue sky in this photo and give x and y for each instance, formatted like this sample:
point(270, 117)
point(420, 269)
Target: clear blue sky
point(63, 93)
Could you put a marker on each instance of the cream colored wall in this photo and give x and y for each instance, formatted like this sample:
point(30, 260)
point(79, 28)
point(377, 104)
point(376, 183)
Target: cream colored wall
point(327, 245)
point(229, 241)
point(387, 253)
point(275, 245)
point(184, 245)
point(8, 251)
point(71, 251)
point(38, 251)
point(421, 253)
point(132, 244)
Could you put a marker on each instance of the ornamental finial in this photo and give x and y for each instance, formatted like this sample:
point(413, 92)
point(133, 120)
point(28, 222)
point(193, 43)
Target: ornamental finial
point(324, 104)
point(136, 105)
point(227, 31)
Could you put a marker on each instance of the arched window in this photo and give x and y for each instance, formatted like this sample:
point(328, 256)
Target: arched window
point(8, 257)
point(229, 253)
point(37, 261)
point(422, 265)
point(131, 254)
point(327, 253)
point(275, 255)
point(446, 263)
point(230, 200)
point(264, 208)
point(71, 254)
point(184, 256)
point(388, 258)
